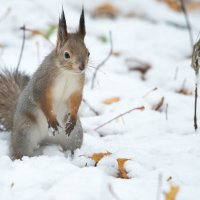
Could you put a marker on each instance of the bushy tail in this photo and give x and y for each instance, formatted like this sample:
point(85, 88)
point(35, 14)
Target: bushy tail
point(11, 85)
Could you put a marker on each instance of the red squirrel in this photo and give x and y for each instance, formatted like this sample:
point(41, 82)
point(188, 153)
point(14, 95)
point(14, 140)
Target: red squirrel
point(50, 99)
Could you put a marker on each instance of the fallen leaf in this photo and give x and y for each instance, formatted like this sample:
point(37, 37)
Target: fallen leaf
point(98, 156)
point(106, 10)
point(184, 91)
point(171, 195)
point(111, 100)
point(116, 53)
point(139, 66)
point(189, 4)
point(121, 169)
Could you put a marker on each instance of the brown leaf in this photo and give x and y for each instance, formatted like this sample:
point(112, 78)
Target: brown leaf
point(107, 10)
point(184, 91)
point(122, 170)
point(139, 66)
point(189, 4)
point(111, 100)
point(98, 156)
point(171, 195)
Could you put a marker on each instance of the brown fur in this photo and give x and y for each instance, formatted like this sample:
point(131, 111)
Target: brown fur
point(11, 85)
point(74, 102)
point(46, 105)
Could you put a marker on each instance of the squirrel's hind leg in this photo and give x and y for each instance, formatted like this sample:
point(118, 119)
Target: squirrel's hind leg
point(24, 140)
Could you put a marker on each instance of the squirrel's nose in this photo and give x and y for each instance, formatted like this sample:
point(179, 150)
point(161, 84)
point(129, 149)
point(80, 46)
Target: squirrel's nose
point(81, 67)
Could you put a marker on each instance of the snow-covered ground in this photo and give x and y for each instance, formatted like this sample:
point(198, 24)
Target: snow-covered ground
point(158, 143)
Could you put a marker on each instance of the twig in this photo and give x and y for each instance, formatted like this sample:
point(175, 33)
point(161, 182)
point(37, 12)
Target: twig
point(104, 61)
point(149, 92)
point(112, 192)
point(22, 47)
point(5, 14)
point(91, 108)
point(166, 111)
point(118, 116)
point(195, 60)
point(196, 66)
point(187, 22)
point(36, 32)
point(195, 107)
point(176, 73)
point(159, 104)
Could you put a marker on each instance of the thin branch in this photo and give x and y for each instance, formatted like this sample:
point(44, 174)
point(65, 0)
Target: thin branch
point(187, 21)
point(22, 47)
point(112, 192)
point(118, 116)
point(196, 66)
point(104, 61)
point(176, 74)
point(5, 14)
point(90, 107)
point(166, 111)
point(37, 32)
point(159, 104)
point(195, 107)
point(149, 92)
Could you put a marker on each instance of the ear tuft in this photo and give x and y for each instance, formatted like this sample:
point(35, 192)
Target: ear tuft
point(62, 30)
point(82, 31)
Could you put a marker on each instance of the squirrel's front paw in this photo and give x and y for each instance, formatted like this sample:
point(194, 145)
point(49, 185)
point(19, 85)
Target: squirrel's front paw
point(69, 126)
point(54, 127)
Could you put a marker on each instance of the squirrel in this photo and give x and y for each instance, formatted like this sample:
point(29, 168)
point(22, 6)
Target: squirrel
point(50, 99)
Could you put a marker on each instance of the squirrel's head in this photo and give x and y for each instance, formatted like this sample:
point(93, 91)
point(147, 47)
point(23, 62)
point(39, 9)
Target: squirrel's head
point(71, 51)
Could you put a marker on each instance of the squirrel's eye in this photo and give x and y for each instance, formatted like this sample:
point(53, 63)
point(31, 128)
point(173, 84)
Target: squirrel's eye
point(66, 55)
point(88, 53)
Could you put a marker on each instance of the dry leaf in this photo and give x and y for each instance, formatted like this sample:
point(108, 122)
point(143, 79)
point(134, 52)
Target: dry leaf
point(122, 170)
point(139, 66)
point(184, 91)
point(189, 4)
point(107, 10)
point(111, 100)
point(171, 195)
point(98, 156)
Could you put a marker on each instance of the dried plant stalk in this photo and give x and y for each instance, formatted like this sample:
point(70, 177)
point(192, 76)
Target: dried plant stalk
point(196, 66)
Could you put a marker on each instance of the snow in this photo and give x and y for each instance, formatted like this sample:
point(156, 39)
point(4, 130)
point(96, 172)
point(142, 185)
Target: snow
point(156, 146)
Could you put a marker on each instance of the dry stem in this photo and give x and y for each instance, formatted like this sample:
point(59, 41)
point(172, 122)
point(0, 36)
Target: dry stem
point(118, 116)
point(104, 61)
point(22, 47)
point(91, 108)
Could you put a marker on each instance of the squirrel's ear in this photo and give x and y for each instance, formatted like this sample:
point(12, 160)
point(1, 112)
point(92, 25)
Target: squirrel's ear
point(82, 24)
point(62, 30)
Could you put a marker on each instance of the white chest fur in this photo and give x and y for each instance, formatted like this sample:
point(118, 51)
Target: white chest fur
point(65, 85)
